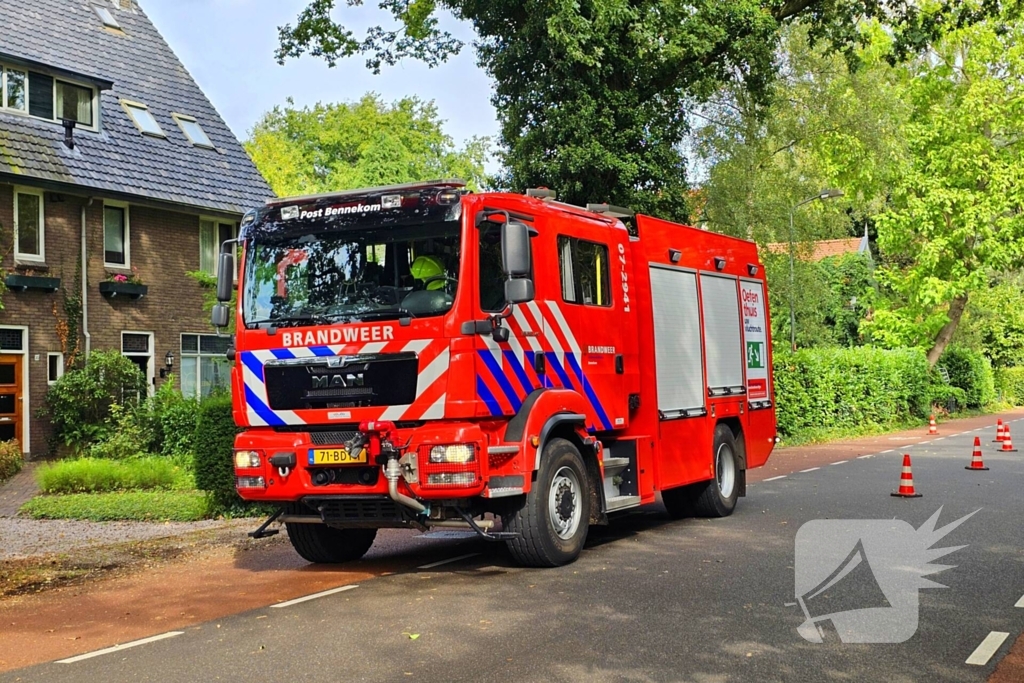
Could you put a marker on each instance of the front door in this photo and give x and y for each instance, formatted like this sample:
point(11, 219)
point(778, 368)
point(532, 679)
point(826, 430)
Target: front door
point(10, 398)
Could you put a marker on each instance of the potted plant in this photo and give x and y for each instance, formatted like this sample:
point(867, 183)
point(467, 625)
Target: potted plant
point(28, 279)
point(124, 284)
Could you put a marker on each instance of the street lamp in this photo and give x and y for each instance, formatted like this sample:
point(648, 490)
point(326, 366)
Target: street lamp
point(823, 195)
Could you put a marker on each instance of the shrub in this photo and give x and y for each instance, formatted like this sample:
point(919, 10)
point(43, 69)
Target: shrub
point(11, 459)
point(90, 475)
point(126, 436)
point(78, 404)
point(972, 372)
point(940, 394)
point(170, 419)
point(142, 506)
point(214, 442)
point(1011, 383)
point(847, 388)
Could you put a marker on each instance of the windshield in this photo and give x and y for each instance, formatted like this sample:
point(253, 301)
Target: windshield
point(351, 276)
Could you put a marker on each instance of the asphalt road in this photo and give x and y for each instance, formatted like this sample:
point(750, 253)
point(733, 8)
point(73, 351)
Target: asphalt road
point(649, 599)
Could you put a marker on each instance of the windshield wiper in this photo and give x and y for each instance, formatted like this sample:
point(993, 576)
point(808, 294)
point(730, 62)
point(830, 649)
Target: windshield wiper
point(309, 318)
point(382, 313)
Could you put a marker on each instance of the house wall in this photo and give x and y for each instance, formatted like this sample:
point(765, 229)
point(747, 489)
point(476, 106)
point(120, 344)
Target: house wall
point(164, 245)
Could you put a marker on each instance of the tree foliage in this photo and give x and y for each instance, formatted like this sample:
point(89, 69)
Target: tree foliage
point(331, 147)
point(956, 210)
point(592, 95)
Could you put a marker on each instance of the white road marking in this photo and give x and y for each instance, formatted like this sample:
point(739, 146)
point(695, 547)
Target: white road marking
point(810, 469)
point(840, 462)
point(941, 438)
point(314, 596)
point(1020, 603)
point(449, 560)
point(988, 647)
point(884, 452)
point(783, 476)
point(869, 455)
point(118, 648)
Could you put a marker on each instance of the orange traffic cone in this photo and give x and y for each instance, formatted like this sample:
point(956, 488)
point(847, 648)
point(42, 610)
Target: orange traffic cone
point(906, 481)
point(999, 431)
point(932, 427)
point(976, 463)
point(1007, 441)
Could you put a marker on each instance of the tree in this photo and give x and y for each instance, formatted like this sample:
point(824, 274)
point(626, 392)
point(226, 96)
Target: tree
point(342, 146)
point(592, 95)
point(956, 212)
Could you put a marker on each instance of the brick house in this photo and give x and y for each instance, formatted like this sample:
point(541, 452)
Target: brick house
point(112, 157)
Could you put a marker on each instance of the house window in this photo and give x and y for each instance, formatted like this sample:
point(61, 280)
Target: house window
point(143, 119)
point(583, 267)
point(204, 366)
point(13, 89)
point(212, 236)
point(28, 225)
point(116, 236)
point(138, 348)
point(193, 131)
point(107, 17)
point(54, 367)
point(74, 103)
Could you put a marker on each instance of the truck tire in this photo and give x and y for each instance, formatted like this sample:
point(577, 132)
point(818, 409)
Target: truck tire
point(322, 544)
point(555, 516)
point(681, 501)
point(718, 497)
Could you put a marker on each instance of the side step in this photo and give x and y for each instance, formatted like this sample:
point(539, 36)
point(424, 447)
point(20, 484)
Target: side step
point(614, 465)
point(621, 503)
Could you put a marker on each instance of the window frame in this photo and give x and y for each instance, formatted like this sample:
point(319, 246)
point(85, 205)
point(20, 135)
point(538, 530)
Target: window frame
point(178, 118)
point(217, 222)
point(198, 355)
point(127, 265)
point(18, 255)
point(94, 100)
point(128, 104)
point(151, 355)
point(59, 355)
point(574, 243)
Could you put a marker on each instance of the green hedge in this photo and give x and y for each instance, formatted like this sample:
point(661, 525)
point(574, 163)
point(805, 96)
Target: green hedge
point(1011, 383)
point(11, 459)
point(845, 388)
point(972, 372)
point(213, 443)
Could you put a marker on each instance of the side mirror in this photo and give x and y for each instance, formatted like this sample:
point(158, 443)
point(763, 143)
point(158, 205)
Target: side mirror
point(519, 291)
point(226, 276)
point(515, 249)
point(219, 315)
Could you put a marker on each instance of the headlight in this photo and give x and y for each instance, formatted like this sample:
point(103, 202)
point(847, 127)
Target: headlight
point(457, 454)
point(250, 483)
point(247, 459)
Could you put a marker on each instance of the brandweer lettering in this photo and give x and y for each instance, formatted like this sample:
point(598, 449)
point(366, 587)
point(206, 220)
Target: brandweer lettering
point(337, 335)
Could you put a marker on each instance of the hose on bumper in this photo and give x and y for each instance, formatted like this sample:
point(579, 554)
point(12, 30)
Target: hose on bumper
point(392, 471)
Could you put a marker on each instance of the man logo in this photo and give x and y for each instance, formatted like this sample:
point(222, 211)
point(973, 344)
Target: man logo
point(339, 381)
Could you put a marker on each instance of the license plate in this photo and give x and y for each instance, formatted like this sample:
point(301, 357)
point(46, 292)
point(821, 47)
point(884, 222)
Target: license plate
point(336, 456)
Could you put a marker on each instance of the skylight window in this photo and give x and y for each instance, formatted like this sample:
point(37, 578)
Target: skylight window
point(106, 17)
point(193, 131)
point(143, 119)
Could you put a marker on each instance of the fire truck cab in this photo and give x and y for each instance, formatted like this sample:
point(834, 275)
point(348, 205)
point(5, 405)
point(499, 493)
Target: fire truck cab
point(425, 357)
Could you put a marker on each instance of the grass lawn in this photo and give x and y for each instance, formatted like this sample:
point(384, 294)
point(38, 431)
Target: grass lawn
point(142, 506)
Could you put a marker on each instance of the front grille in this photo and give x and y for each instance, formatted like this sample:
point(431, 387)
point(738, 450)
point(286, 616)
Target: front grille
point(331, 438)
point(352, 382)
point(356, 511)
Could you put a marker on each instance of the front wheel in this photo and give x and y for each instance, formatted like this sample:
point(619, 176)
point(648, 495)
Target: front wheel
point(322, 544)
point(555, 516)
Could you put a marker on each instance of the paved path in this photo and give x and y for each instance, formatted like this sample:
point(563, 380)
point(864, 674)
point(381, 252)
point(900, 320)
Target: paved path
point(18, 490)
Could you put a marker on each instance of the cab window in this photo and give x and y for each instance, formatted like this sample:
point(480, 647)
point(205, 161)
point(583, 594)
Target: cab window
point(583, 269)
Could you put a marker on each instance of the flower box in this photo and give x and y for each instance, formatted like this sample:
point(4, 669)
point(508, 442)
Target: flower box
point(20, 283)
point(127, 289)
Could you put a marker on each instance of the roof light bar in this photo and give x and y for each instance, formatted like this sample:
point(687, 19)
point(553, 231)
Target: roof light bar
point(453, 182)
point(611, 210)
point(541, 193)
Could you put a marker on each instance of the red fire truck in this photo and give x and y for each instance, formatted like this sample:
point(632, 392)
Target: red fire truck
point(425, 357)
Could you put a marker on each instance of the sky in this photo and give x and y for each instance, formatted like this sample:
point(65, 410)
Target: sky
point(228, 47)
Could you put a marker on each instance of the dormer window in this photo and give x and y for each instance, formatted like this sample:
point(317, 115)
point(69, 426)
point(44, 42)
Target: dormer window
point(74, 103)
point(13, 89)
point(193, 131)
point(143, 119)
point(42, 96)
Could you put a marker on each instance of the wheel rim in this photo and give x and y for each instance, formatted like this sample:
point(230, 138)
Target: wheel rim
point(564, 509)
point(725, 470)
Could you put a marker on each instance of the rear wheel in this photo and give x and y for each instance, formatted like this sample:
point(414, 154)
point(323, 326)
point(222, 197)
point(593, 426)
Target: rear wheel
point(555, 516)
point(718, 498)
point(322, 544)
